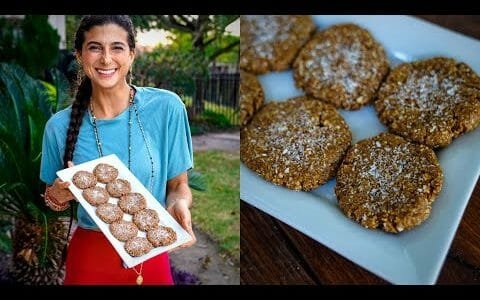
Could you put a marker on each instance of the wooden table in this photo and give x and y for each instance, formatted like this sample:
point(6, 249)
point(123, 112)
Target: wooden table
point(275, 253)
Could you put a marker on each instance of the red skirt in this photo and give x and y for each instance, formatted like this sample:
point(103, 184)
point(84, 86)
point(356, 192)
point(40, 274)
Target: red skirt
point(92, 260)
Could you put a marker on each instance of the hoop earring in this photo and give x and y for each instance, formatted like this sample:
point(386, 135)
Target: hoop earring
point(131, 76)
point(80, 74)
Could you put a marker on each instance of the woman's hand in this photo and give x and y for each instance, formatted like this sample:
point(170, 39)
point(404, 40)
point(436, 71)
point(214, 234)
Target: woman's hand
point(180, 211)
point(59, 189)
point(179, 200)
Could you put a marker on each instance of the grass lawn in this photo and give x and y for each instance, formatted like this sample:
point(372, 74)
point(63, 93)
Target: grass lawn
point(230, 114)
point(217, 210)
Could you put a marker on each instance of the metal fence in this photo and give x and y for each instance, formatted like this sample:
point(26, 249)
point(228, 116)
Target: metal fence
point(218, 94)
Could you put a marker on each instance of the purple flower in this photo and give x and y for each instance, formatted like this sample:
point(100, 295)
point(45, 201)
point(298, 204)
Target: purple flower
point(181, 277)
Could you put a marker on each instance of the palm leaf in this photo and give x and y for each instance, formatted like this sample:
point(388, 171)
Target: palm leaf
point(5, 242)
point(28, 104)
point(196, 181)
point(10, 153)
point(36, 125)
point(51, 94)
point(16, 87)
point(9, 205)
point(13, 198)
point(13, 90)
point(62, 87)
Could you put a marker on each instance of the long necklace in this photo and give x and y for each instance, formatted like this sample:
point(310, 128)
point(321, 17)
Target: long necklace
point(131, 103)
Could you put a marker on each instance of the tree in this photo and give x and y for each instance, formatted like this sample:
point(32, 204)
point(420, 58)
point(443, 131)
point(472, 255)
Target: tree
point(203, 29)
point(71, 24)
point(205, 35)
point(32, 43)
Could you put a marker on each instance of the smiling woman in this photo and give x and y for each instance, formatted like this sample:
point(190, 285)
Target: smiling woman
point(147, 128)
point(106, 56)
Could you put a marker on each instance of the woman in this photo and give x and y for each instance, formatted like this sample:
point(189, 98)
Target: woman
point(146, 128)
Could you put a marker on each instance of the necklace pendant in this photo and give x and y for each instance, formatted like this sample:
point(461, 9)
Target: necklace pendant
point(139, 280)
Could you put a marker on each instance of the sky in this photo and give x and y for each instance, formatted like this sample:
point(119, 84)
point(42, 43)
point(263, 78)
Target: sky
point(155, 36)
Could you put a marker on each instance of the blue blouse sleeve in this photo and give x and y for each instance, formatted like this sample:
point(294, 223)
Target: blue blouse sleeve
point(180, 151)
point(51, 160)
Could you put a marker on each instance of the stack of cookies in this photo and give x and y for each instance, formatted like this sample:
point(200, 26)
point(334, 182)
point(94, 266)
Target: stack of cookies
point(127, 214)
point(388, 181)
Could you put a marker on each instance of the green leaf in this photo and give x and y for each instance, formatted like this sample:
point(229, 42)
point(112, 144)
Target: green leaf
point(45, 241)
point(15, 96)
point(5, 243)
point(9, 205)
point(28, 104)
point(38, 46)
point(62, 97)
point(196, 181)
point(36, 126)
point(34, 211)
point(50, 91)
point(9, 158)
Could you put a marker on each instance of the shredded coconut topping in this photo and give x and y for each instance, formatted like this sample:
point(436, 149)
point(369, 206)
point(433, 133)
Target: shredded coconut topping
point(109, 210)
point(132, 202)
point(83, 179)
point(428, 93)
point(296, 144)
point(338, 62)
point(160, 233)
point(146, 219)
point(138, 246)
point(266, 30)
point(384, 167)
point(124, 229)
point(387, 164)
point(96, 193)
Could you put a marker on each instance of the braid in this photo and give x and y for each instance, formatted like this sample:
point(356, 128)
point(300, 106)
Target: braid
point(79, 107)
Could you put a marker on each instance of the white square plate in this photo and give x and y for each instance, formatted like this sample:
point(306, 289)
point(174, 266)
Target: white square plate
point(412, 257)
point(124, 173)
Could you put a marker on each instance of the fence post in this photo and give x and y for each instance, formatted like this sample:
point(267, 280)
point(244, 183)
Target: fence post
point(198, 105)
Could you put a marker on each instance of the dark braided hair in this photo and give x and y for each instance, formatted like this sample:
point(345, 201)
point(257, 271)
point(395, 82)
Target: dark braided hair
point(84, 90)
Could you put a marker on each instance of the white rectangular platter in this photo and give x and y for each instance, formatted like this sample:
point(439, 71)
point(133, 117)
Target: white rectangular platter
point(124, 173)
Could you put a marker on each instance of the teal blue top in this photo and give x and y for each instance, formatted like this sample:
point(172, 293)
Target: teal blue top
point(165, 122)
